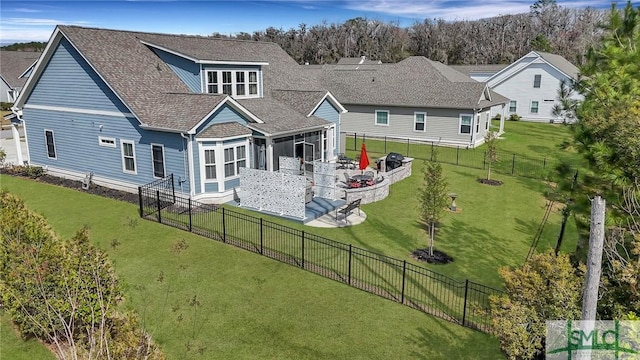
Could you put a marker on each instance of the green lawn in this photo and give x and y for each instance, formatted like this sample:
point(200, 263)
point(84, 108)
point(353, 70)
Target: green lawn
point(14, 348)
point(212, 300)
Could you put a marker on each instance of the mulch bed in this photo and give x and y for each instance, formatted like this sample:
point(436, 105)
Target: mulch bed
point(77, 185)
point(438, 257)
point(491, 182)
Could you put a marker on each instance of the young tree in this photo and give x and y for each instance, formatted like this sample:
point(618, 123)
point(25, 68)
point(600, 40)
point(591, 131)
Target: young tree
point(433, 198)
point(547, 287)
point(491, 140)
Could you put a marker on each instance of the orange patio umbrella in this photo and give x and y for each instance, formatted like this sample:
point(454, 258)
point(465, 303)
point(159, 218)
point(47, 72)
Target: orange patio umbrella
point(364, 159)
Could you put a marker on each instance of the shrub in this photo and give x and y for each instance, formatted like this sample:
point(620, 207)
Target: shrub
point(496, 117)
point(514, 117)
point(5, 106)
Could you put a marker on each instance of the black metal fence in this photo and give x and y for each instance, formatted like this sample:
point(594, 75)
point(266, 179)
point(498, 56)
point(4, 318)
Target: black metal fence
point(507, 163)
point(462, 302)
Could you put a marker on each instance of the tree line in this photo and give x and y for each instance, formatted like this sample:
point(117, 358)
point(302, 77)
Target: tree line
point(547, 27)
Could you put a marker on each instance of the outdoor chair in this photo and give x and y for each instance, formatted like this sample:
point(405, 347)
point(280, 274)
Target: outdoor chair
point(369, 173)
point(347, 179)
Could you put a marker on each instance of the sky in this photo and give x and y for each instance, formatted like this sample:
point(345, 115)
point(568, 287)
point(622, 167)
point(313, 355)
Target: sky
point(35, 20)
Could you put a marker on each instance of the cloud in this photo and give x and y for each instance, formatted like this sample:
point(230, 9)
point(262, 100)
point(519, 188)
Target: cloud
point(26, 10)
point(31, 29)
point(12, 35)
point(458, 10)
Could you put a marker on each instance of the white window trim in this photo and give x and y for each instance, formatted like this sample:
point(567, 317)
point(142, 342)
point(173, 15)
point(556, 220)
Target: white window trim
point(107, 141)
point(534, 81)
point(477, 123)
point(375, 119)
point(133, 148)
point(46, 146)
point(164, 163)
point(415, 121)
point(487, 121)
point(203, 172)
point(235, 160)
point(531, 107)
point(460, 124)
point(234, 82)
point(516, 106)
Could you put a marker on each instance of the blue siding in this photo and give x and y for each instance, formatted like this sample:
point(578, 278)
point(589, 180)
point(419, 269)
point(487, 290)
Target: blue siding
point(233, 183)
point(223, 115)
point(196, 166)
point(68, 81)
point(77, 145)
point(327, 111)
point(187, 70)
point(211, 187)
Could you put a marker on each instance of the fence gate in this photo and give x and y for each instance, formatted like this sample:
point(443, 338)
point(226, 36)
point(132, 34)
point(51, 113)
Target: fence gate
point(156, 196)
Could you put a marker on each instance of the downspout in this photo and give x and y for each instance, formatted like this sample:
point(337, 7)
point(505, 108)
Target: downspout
point(188, 162)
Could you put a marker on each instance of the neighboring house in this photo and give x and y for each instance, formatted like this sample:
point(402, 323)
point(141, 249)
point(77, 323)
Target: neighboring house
point(416, 99)
point(479, 72)
point(531, 84)
point(131, 107)
point(15, 67)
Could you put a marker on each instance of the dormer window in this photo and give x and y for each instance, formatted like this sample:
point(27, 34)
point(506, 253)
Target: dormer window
point(236, 83)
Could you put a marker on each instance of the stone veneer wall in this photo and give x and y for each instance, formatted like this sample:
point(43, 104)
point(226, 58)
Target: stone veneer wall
point(324, 179)
point(276, 192)
point(379, 191)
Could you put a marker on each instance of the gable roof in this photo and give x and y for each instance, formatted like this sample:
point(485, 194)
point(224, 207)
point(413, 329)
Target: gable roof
point(561, 64)
point(415, 81)
point(358, 61)
point(474, 69)
point(13, 64)
point(556, 61)
point(156, 96)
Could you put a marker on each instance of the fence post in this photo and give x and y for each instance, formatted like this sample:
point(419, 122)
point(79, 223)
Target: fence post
point(349, 271)
point(513, 164)
point(224, 227)
point(457, 154)
point(464, 309)
point(407, 147)
point(190, 221)
point(404, 272)
point(173, 189)
point(355, 141)
point(385, 144)
point(140, 201)
point(261, 236)
point(303, 249)
point(432, 151)
point(158, 203)
point(484, 160)
point(544, 163)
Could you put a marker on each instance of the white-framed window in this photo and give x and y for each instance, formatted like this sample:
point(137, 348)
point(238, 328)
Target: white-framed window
point(209, 164)
point(253, 83)
point(465, 123)
point(234, 159)
point(107, 141)
point(334, 139)
point(536, 80)
point(51, 144)
point(513, 106)
point(534, 107)
point(487, 120)
point(382, 117)
point(157, 158)
point(128, 150)
point(235, 83)
point(477, 123)
point(419, 121)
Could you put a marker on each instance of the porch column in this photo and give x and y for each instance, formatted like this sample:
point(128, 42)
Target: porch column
point(269, 154)
point(16, 140)
point(502, 120)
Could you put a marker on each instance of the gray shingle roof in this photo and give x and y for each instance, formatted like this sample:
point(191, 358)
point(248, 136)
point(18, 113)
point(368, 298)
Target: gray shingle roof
point(160, 99)
point(561, 63)
point(15, 63)
point(470, 69)
point(415, 81)
point(225, 130)
point(278, 117)
point(301, 101)
point(358, 61)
